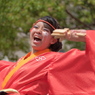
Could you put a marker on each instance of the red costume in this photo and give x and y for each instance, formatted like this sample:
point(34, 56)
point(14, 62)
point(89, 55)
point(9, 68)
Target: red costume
point(70, 73)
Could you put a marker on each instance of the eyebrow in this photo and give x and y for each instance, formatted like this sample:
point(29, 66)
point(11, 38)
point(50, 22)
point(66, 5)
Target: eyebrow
point(45, 26)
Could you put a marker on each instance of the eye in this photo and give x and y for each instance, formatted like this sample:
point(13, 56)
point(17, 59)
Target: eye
point(46, 30)
point(35, 26)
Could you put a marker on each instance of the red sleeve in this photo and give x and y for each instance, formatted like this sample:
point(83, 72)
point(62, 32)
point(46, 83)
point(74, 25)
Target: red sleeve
point(38, 87)
point(73, 72)
point(90, 46)
point(5, 66)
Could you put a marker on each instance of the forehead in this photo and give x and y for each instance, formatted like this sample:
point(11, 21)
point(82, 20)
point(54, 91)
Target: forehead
point(39, 23)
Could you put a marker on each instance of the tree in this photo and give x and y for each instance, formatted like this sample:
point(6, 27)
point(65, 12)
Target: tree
point(17, 17)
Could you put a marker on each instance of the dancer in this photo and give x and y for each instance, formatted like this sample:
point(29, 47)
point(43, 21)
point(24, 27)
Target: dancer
point(44, 70)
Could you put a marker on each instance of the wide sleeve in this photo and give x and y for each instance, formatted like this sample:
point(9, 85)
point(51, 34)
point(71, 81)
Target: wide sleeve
point(5, 67)
point(73, 72)
point(90, 46)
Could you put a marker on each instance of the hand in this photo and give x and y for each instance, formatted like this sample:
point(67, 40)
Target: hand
point(76, 35)
point(72, 35)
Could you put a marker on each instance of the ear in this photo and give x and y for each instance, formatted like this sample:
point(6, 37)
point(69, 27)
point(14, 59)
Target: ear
point(53, 40)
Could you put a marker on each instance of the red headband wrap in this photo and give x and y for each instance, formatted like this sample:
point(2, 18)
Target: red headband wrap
point(45, 22)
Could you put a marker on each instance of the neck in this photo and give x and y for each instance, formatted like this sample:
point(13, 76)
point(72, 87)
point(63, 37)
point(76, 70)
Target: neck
point(34, 51)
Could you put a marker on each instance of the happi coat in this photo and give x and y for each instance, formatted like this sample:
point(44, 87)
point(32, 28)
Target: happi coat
point(55, 73)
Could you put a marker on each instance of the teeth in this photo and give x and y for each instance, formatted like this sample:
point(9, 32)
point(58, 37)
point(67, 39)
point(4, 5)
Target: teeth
point(36, 38)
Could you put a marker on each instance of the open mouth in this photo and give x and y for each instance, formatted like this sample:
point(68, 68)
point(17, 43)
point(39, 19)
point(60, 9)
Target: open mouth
point(37, 39)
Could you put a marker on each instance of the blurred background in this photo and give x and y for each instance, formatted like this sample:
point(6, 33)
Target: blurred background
point(17, 17)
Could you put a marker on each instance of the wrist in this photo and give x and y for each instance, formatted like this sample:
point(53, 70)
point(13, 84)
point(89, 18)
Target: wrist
point(76, 35)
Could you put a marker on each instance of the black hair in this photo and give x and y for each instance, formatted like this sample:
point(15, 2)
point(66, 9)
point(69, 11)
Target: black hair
point(58, 45)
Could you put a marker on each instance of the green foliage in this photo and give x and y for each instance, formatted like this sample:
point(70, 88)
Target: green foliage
point(17, 17)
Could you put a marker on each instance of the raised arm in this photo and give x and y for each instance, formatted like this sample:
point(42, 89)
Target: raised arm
point(72, 35)
point(74, 72)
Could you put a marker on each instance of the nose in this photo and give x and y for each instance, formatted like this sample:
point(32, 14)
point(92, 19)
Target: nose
point(39, 31)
